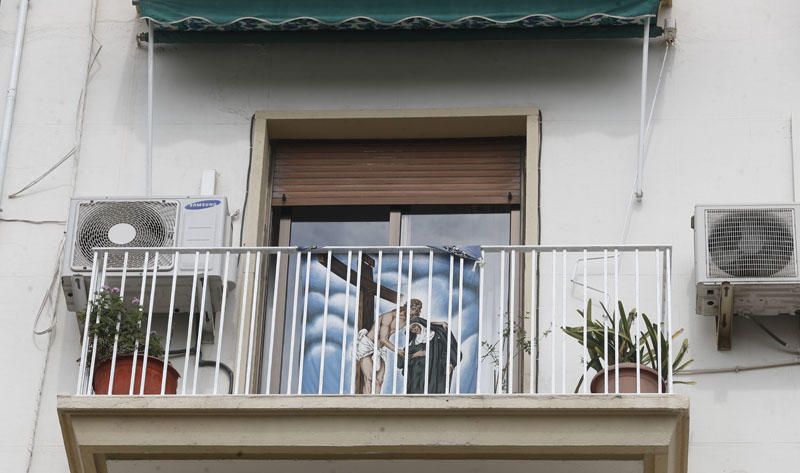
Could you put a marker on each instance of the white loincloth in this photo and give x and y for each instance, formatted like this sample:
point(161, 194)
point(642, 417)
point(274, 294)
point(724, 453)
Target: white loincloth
point(366, 346)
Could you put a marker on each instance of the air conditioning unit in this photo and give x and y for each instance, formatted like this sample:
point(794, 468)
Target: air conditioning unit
point(746, 259)
point(160, 222)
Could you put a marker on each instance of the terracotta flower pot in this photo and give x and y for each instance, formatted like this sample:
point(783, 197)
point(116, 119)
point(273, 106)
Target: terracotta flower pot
point(627, 380)
point(122, 376)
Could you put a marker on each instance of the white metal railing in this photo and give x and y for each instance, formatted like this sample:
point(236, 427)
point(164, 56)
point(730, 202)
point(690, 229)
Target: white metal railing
point(492, 319)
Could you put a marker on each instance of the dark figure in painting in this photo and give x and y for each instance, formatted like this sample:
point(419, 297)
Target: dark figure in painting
point(439, 366)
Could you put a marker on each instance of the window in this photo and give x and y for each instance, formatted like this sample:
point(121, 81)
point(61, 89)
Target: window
point(438, 193)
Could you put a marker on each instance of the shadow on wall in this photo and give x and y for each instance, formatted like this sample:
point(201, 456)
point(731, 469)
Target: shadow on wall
point(226, 83)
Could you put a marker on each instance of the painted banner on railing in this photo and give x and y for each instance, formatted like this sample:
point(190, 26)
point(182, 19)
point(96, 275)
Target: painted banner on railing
point(408, 311)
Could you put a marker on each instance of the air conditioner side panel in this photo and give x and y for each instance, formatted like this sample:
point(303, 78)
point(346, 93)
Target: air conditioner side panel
point(69, 238)
point(700, 244)
point(203, 223)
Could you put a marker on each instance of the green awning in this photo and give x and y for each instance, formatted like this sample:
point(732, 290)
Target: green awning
point(259, 16)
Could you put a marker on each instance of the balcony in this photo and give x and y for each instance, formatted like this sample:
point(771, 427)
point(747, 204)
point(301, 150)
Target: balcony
point(270, 353)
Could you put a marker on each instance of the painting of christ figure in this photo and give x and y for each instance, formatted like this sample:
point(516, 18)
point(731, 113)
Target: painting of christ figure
point(389, 323)
point(356, 341)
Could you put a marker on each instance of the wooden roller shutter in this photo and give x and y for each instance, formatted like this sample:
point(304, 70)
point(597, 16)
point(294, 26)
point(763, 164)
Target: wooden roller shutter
point(471, 171)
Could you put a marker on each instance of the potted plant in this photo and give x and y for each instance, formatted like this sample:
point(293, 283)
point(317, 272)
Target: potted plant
point(622, 358)
point(106, 311)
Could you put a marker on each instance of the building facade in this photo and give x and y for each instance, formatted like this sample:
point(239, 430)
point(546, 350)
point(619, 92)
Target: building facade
point(504, 165)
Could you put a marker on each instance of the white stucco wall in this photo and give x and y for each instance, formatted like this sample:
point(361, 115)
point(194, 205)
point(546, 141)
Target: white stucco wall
point(721, 134)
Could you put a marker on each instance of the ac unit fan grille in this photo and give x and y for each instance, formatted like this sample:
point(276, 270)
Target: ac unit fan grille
point(154, 223)
point(751, 243)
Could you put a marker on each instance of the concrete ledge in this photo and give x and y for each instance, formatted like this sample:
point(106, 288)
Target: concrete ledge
point(653, 429)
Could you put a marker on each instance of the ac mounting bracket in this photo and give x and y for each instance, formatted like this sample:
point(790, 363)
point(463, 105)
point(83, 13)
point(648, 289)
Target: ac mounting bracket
point(724, 320)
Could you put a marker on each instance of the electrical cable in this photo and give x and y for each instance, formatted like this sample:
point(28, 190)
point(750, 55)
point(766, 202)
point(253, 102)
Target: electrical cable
point(765, 366)
point(48, 297)
point(80, 113)
point(177, 353)
point(52, 168)
point(247, 180)
point(50, 331)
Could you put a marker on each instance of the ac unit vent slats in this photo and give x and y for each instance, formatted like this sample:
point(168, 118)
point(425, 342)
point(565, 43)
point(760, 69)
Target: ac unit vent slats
point(153, 225)
point(756, 242)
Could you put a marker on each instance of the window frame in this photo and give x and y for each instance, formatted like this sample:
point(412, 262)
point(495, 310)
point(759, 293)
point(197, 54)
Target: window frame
point(259, 221)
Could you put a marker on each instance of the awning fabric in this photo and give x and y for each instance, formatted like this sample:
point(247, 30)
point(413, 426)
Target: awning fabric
point(380, 15)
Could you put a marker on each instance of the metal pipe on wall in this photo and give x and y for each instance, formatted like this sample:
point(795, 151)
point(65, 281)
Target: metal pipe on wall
point(11, 94)
point(639, 192)
point(149, 159)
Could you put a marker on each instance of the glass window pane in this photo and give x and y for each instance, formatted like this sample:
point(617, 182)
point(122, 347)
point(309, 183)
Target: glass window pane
point(457, 229)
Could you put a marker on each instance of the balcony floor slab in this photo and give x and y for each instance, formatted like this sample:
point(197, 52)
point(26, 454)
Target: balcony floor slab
point(650, 428)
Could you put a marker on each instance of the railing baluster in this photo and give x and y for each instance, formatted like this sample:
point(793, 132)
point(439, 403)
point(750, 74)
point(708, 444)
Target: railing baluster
point(303, 327)
point(298, 263)
point(325, 324)
point(501, 342)
point(141, 308)
point(585, 322)
point(376, 348)
point(191, 322)
point(200, 321)
point(460, 320)
point(658, 318)
point(563, 321)
point(605, 321)
point(553, 329)
point(408, 326)
point(428, 315)
point(273, 315)
point(638, 318)
point(86, 323)
point(252, 330)
point(396, 317)
point(89, 386)
point(169, 322)
point(449, 321)
point(619, 316)
point(478, 362)
point(354, 367)
point(668, 277)
point(534, 335)
point(146, 353)
point(119, 319)
point(344, 322)
point(222, 304)
point(512, 339)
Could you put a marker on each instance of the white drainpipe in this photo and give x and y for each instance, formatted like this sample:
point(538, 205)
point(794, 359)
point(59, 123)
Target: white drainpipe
point(150, 84)
point(638, 191)
point(11, 95)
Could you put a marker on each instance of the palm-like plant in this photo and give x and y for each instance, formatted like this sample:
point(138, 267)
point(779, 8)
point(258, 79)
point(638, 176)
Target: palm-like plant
point(622, 346)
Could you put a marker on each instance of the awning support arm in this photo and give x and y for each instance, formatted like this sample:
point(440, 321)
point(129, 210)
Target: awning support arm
point(638, 190)
point(149, 160)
